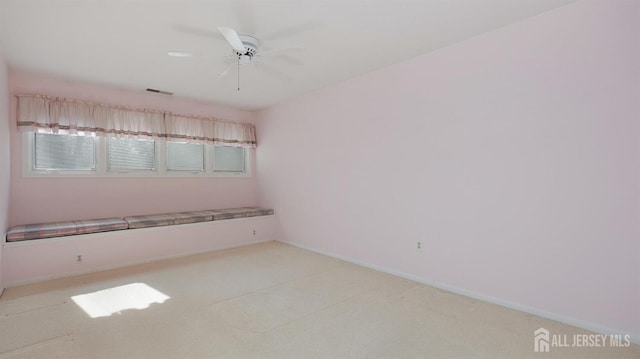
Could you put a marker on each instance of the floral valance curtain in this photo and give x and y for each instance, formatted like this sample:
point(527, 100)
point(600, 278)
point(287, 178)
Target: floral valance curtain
point(56, 115)
point(217, 132)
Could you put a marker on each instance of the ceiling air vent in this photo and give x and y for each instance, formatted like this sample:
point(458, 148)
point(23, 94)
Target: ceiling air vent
point(160, 92)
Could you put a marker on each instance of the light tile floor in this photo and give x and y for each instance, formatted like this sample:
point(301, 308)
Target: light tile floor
point(270, 300)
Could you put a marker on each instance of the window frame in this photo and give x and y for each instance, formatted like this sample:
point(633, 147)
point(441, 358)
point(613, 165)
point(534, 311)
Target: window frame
point(101, 171)
point(29, 157)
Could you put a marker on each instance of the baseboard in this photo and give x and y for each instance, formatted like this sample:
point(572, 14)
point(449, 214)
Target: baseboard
point(635, 338)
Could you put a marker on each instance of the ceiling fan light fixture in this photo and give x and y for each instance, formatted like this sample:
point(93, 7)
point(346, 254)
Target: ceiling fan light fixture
point(244, 59)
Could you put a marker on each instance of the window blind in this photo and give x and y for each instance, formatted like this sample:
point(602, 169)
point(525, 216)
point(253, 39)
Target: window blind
point(60, 152)
point(126, 154)
point(228, 159)
point(185, 156)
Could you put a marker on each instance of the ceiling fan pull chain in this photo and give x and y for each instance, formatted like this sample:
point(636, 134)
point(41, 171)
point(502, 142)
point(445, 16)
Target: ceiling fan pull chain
point(238, 73)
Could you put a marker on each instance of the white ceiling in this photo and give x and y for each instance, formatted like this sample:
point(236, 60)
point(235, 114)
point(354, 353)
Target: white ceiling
point(125, 43)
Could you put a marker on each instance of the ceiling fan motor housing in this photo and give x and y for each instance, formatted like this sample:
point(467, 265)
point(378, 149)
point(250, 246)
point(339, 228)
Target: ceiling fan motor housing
point(250, 43)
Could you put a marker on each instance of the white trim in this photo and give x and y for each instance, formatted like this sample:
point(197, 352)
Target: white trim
point(635, 338)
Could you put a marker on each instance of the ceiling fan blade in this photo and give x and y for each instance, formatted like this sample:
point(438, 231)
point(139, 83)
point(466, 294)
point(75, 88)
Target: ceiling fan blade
point(187, 54)
point(233, 39)
point(245, 15)
point(224, 73)
point(273, 72)
point(276, 52)
point(180, 54)
point(290, 60)
point(197, 31)
point(292, 30)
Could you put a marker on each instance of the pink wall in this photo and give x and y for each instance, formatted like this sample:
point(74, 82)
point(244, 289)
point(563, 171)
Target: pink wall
point(55, 199)
point(4, 156)
point(513, 156)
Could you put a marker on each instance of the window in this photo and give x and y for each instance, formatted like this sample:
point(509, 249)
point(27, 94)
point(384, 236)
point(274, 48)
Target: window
point(63, 152)
point(125, 154)
point(185, 157)
point(228, 159)
point(70, 155)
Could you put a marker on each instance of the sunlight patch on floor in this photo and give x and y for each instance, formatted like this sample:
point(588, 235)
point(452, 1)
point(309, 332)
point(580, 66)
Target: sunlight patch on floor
point(105, 302)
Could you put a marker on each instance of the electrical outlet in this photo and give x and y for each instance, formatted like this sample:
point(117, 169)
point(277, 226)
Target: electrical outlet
point(78, 258)
point(419, 246)
point(254, 232)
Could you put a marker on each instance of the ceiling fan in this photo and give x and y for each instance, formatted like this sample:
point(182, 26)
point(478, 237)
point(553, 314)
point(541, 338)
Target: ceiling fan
point(244, 46)
point(245, 51)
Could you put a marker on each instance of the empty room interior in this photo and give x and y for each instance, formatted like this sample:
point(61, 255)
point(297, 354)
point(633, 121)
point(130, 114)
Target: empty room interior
point(320, 179)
